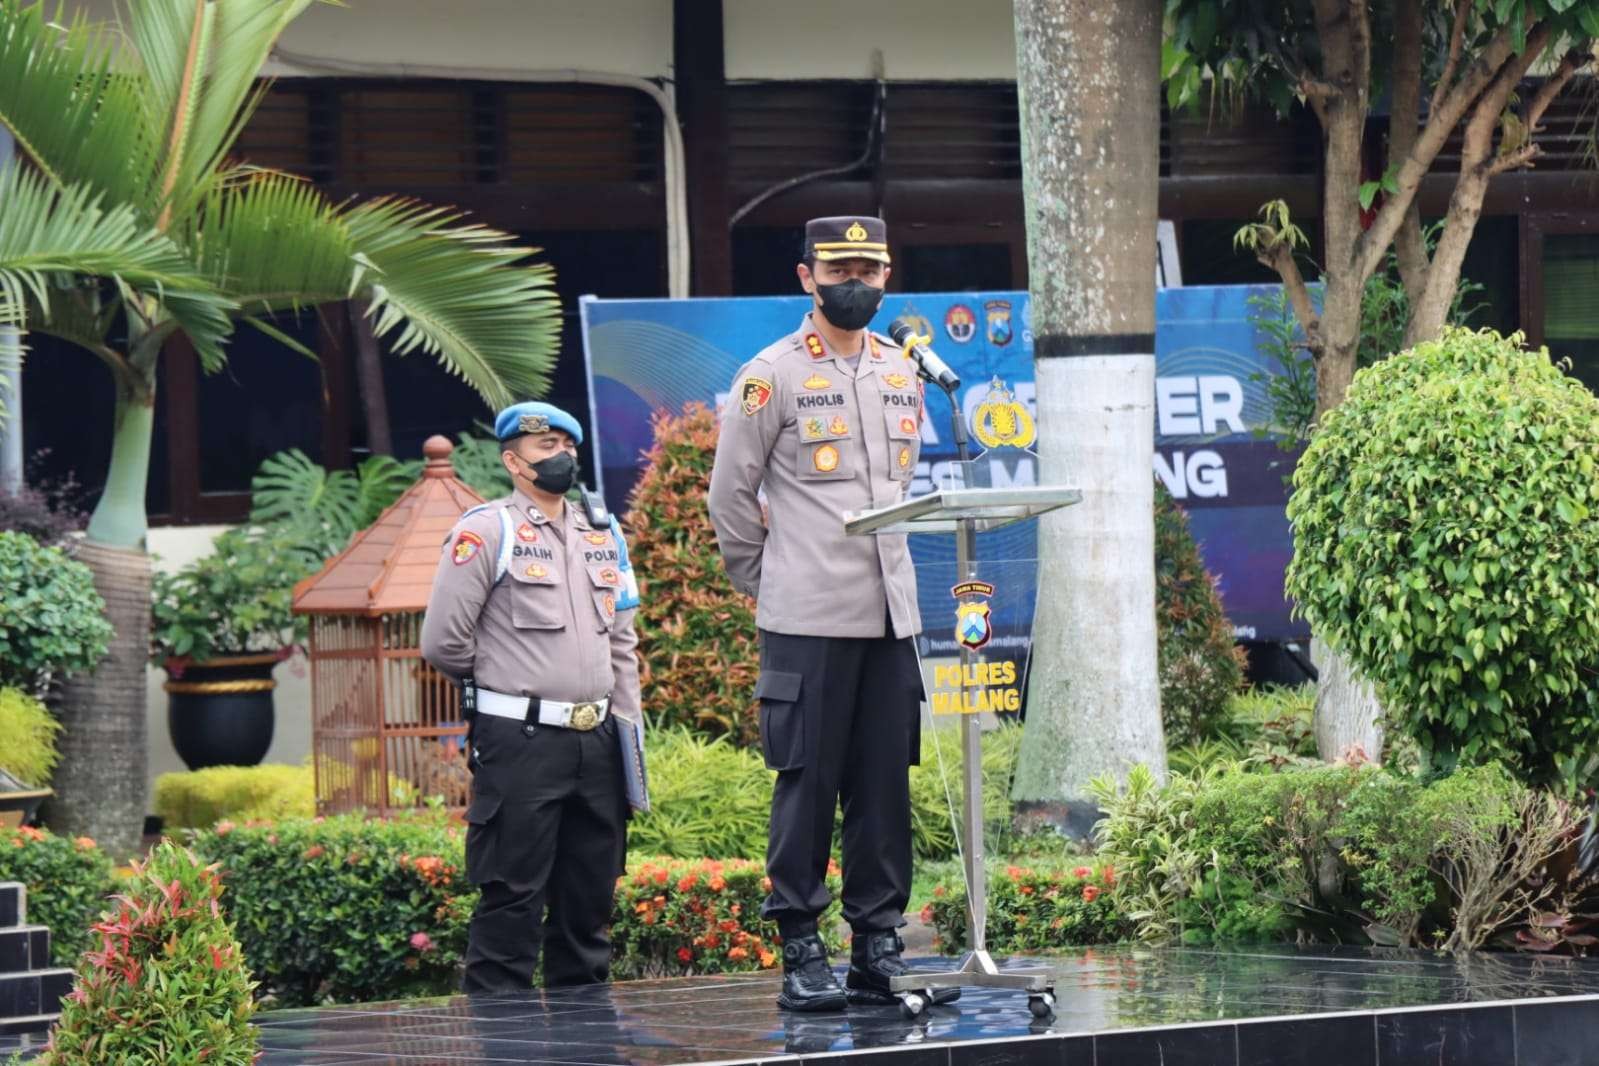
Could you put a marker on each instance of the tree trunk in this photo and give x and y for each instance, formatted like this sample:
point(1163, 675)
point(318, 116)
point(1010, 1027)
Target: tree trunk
point(100, 781)
point(1346, 708)
point(1088, 85)
point(369, 381)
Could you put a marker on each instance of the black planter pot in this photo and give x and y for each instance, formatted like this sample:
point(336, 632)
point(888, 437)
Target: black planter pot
point(219, 713)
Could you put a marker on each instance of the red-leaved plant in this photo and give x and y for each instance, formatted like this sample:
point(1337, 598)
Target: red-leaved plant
point(167, 982)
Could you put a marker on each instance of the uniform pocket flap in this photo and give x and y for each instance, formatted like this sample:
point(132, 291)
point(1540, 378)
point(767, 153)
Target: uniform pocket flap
point(483, 809)
point(778, 686)
point(526, 615)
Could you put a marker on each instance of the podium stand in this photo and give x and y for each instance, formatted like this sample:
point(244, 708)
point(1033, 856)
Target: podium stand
point(967, 512)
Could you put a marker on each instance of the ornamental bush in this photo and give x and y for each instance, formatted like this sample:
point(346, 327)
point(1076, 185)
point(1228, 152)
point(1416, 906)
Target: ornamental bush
point(199, 799)
point(1445, 540)
point(1034, 909)
point(1200, 666)
point(697, 633)
point(69, 883)
point(29, 732)
point(52, 621)
point(164, 982)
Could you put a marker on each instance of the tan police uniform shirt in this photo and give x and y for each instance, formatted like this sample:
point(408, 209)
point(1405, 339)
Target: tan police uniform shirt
point(550, 627)
point(823, 438)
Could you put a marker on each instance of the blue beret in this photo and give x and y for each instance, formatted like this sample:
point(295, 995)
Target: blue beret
point(522, 418)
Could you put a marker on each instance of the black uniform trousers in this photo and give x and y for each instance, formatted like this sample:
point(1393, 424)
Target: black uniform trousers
point(840, 719)
point(546, 840)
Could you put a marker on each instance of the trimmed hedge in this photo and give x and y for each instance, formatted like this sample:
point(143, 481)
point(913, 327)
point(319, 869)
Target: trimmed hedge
point(1033, 909)
point(198, 799)
point(69, 883)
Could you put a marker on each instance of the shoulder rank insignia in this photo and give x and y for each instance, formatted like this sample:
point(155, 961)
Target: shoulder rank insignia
point(871, 343)
point(467, 544)
point(813, 344)
point(816, 381)
point(754, 394)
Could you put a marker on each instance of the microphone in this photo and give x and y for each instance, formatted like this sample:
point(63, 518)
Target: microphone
point(931, 366)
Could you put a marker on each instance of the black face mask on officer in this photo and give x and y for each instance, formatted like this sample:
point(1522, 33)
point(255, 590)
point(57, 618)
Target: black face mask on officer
point(849, 304)
point(555, 474)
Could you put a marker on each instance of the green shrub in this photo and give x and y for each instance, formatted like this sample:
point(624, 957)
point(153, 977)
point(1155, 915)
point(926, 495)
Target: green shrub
point(316, 510)
point(697, 633)
point(675, 918)
point(346, 909)
point(166, 983)
point(932, 828)
point(1200, 666)
point(52, 621)
point(30, 732)
point(350, 910)
point(1445, 541)
point(198, 799)
point(235, 601)
point(1268, 728)
point(69, 882)
point(1033, 909)
point(1332, 853)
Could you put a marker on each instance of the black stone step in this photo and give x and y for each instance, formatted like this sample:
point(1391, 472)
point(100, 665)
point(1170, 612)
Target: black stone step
point(24, 948)
point(23, 995)
point(34, 1023)
point(13, 906)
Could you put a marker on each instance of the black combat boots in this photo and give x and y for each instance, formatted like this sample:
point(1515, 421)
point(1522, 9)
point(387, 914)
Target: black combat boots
point(808, 981)
point(874, 961)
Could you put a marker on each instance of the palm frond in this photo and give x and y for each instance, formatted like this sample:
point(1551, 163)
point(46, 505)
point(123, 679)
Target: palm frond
point(49, 234)
point(272, 242)
point(458, 292)
point(78, 117)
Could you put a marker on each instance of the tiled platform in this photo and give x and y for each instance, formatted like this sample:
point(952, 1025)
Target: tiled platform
point(1118, 1007)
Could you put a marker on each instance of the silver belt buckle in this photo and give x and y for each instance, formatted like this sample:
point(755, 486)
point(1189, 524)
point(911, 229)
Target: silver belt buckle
point(585, 716)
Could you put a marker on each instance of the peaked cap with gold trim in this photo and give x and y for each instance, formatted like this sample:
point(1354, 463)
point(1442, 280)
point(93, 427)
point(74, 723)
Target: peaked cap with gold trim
point(847, 237)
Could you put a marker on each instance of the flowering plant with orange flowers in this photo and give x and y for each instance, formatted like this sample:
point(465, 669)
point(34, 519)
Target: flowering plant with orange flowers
point(677, 917)
point(1034, 909)
point(69, 882)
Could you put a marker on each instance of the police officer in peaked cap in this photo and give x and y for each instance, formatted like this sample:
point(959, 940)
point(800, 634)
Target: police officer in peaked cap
point(532, 610)
point(827, 420)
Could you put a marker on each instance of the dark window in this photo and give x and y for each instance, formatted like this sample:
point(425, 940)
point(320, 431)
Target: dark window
point(952, 267)
point(764, 258)
point(266, 399)
point(1571, 310)
point(1205, 249)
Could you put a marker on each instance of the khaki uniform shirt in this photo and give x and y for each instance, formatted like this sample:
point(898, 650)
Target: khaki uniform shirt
point(823, 438)
point(551, 626)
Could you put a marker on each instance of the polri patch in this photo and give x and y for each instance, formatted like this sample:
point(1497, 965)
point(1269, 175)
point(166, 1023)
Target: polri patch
point(526, 533)
point(754, 394)
point(467, 545)
point(825, 459)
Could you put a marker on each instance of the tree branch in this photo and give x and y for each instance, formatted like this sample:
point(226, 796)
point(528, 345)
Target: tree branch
point(1457, 42)
point(1573, 61)
point(1373, 244)
point(1404, 125)
point(1279, 256)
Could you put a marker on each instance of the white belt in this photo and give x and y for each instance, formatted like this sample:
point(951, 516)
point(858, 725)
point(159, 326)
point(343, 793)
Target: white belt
point(579, 716)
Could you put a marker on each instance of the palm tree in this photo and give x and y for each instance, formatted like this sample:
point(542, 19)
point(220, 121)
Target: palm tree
point(1088, 79)
point(134, 224)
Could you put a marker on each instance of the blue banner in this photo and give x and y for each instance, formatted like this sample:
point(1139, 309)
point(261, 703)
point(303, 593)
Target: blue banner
point(1210, 399)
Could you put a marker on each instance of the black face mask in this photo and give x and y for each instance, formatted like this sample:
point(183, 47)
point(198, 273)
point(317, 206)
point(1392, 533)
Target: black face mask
point(849, 304)
point(554, 475)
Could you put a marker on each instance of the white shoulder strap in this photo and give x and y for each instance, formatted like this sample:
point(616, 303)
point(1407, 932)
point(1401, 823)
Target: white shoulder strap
point(507, 538)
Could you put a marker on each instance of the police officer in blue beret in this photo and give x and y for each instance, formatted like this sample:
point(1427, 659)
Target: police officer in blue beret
point(532, 612)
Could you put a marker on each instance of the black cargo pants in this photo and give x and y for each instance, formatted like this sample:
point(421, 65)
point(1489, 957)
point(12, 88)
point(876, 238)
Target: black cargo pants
point(840, 719)
point(546, 840)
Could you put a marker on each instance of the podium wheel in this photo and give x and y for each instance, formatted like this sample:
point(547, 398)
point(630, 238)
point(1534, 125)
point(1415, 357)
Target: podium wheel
point(912, 1004)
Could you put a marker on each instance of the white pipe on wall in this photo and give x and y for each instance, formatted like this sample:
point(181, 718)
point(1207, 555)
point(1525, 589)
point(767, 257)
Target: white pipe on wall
point(676, 193)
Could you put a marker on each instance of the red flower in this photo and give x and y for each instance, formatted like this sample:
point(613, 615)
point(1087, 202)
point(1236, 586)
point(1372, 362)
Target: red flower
point(1013, 872)
point(421, 942)
point(927, 914)
point(738, 953)
point(218, 959)
point(1090, 893)
point(313, 852)
point(661, 877)
point(83, 843)
point(728, 925)
point(1082, 872)
point(687, 882)
point(717, 884)
point(684, 955)
point(1109, 874)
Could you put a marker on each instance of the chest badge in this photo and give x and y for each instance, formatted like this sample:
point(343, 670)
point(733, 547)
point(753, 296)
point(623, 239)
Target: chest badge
point(467, 545)
point(609, 603)
point(536, 572)
point(838, 427)
point(610, 576)
point(816, 381)
point(813, 344)
point(596, 538)
point(904, 459)
point(897, 381)
point(907, 425)
point(825, 459)
point(526, 533)
point(814, 429)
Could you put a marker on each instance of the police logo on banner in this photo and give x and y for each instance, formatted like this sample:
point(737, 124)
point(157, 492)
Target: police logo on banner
point(960, 323)
point(1001, 421)
point(999, 327)
point(974, 625)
